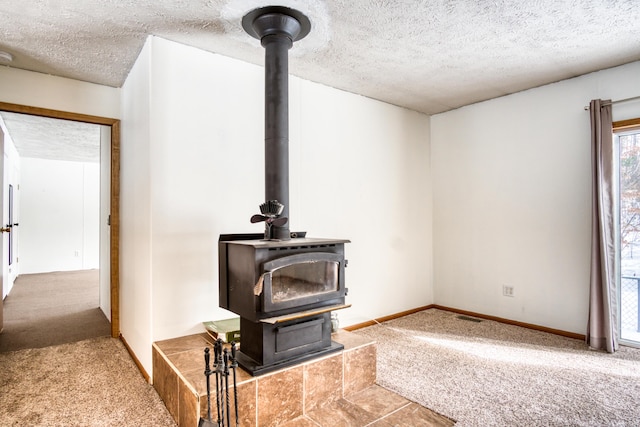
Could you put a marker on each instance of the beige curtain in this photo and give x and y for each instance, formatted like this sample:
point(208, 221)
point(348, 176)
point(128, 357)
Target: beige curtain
point(602, 328)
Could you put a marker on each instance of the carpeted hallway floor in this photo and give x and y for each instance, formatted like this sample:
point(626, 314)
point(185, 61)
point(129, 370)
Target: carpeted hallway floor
point(87, 383)
point(52, 308)
point(59, 365)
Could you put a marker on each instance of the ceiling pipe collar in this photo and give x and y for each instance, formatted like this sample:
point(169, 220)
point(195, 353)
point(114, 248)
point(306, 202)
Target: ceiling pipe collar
point(276, 20)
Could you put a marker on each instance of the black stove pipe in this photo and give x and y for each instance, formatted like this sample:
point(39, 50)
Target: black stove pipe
point(276, 126)
point(277, 28)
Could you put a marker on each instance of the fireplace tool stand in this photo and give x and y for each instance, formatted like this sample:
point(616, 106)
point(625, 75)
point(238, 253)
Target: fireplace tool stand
point(224, 364)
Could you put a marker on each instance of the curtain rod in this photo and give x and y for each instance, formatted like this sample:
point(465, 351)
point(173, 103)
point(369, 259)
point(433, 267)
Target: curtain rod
point(617, 101)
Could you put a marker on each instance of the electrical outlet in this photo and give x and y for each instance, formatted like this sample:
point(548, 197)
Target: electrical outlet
point(76, 253)
point(508, 291)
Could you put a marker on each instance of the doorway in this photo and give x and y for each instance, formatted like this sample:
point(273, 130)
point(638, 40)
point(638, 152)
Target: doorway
point(113, 125)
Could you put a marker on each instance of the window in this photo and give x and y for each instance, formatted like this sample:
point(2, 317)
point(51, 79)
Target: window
point(627, 137)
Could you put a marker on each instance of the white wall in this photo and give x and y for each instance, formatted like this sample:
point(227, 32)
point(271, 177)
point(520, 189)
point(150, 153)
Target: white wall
point(135, 211)
point(58, 93)
point(512, 200)
point(192, 168)
point(361, 171)
point(59, 222)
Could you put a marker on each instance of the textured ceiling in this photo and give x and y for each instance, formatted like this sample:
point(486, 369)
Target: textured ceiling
point(53, 139)
point(427, 55)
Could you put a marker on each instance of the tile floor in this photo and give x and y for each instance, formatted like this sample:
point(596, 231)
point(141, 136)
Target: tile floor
point(374, 406)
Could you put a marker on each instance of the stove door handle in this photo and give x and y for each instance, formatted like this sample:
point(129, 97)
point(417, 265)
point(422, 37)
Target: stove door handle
point(259, 287)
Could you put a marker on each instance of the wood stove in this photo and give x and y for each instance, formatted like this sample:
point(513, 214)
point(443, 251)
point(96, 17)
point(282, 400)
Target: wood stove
point(283, 285)
point(284, 292)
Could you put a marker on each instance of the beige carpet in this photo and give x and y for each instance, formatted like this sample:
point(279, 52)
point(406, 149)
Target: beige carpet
point(88, 383)
point(490, 374)
point(52, 308)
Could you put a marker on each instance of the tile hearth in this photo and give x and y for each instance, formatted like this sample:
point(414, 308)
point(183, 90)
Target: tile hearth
point(335, 390)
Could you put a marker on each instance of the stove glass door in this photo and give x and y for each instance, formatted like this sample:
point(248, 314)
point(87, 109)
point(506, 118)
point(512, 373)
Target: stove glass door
point(301, 279)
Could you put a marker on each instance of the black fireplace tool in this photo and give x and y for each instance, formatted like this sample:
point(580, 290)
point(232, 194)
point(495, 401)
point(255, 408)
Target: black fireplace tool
point(234, 365)
point(208, 422)
point(225, 372)
point(219, 382)
point(224, 362)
